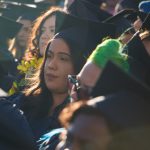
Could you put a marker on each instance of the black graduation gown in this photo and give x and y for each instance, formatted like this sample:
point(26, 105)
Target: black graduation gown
point(15, 133)
point(39, 125)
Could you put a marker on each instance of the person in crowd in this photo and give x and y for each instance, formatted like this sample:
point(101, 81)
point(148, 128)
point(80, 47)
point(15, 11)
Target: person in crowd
point(144, 10)
point(20, 42)
point(140, 55)
point(111, 49)
point(98, 123)
point(135, 62)
point(49, 88)
point(42, 30)
point(39, 39)
point(87, 128)
point(118, 108)
point(123, 20)
point(138, 49)
point(121, 92)
point(8, 29)
point(128, 18)
point(107, 50)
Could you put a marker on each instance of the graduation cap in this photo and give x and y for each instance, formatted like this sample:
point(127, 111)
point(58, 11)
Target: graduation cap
point(127, 13)
point(127, 99)
point(8, 27)
point(122, 20)
point(87, 10)
point(65, 20)
point(16, 10)
point(142, 11)
point(113, 79)
point(124, 109)
point(83, 37)
point(128, 16)
point(136, 50)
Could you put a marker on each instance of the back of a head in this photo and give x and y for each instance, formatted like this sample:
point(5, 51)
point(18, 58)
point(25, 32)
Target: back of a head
point(128, 110)
point(128, 114)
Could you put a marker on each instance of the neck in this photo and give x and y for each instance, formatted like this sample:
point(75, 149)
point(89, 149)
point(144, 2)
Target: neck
point(58, 98)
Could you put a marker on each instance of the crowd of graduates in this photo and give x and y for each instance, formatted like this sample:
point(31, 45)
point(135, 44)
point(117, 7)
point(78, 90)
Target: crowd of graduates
point(74, 75)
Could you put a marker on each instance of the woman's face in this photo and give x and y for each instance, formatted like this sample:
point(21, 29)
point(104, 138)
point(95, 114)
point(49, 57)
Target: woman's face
point(24, 34)
point(47, 32)
point(58, 66)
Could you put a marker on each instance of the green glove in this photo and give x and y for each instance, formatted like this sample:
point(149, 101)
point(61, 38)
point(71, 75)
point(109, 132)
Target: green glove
point(109, 50)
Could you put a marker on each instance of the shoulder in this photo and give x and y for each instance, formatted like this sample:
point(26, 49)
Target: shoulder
point(17, 99)
point(14, 126)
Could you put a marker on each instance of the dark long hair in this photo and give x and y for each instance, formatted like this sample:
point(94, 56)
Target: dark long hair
point(37, 93)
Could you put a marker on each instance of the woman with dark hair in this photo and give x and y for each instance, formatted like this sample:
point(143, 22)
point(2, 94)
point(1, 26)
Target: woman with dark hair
point(47, 93)
point(43, 30)
point(65, 54)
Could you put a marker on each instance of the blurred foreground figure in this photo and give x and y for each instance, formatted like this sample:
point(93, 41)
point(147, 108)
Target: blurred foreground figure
point(8, 29)
point(106, 123)
point(123, 112)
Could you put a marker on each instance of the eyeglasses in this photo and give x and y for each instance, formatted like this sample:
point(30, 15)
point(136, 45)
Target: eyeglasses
point(83, 92)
